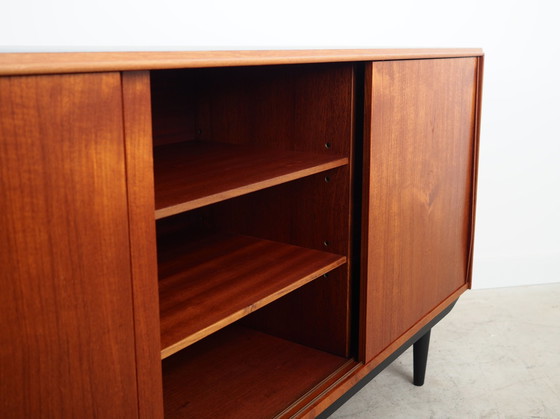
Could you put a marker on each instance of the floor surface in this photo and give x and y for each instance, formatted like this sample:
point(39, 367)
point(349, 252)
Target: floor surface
point(496, 355)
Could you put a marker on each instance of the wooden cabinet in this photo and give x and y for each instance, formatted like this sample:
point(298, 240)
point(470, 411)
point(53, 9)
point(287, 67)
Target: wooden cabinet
point(240, 234)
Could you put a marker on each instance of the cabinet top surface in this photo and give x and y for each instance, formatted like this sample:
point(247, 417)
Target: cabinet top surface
point(80, 62)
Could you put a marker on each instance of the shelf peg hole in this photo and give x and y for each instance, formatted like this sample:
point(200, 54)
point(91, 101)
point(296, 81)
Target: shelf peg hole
point(327, 145)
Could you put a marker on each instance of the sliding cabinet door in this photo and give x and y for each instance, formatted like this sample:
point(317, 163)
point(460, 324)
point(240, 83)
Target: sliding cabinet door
point(67, 335)
point(419, 153)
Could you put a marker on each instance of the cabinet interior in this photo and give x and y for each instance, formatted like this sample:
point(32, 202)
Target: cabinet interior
point(252, 169)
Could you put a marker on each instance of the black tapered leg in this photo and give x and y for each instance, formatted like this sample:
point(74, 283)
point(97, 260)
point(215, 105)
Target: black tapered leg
point(421, 358)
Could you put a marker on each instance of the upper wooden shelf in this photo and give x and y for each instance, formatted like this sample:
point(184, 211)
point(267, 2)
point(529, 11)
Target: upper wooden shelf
point(210, 281)
point(193, 174)
point(80, 62)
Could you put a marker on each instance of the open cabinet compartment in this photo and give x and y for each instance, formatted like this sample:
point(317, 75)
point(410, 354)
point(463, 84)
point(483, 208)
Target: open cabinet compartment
point(252, 170)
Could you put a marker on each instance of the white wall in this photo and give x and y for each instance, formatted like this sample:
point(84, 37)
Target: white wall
point(518, 224)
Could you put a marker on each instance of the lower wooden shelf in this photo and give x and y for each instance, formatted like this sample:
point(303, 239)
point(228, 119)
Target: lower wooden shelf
point(209, 281)
point(241, 373)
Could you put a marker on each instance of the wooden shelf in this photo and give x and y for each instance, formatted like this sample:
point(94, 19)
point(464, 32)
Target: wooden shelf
point(209, 281)
point(193, 174)
point(242, 373)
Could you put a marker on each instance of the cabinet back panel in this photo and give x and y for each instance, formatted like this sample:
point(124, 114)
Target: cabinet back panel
point(419, 147)
point(316, 315)
point(311, 213)
point(67, 346)
point(307, 108)
point(299, 108)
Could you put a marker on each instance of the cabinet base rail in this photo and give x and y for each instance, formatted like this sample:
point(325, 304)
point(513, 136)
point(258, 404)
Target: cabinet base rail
point(422, 339)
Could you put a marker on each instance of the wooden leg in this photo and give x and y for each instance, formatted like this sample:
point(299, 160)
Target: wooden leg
point(421, 358)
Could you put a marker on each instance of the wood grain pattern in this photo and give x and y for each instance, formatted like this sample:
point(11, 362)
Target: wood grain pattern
point(307, 212)
point(418, 164)
point(210, 281)
point(67, 344)
point(42, 63)
point(305, 108)
point(314, 214)
point(299, 108)
point(242, 373)
point(140, 181)
point(193, 174)
point(80, 328)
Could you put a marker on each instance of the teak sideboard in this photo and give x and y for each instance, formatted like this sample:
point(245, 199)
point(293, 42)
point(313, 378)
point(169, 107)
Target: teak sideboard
point(228, 234)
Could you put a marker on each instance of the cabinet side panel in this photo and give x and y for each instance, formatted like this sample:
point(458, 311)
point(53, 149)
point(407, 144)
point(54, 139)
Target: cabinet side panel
point(66, 334)
point(140, 184)
point(480, 73)
point(418, 191)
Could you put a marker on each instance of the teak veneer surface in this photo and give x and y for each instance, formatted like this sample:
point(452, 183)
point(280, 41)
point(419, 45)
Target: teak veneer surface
point(193, 174)
point(242, 373)
point(419, 152)
point(81, 331)
point(212, 280)
point(75, 62)
point(312, 213)
point(66, 318)
point(140, 180)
